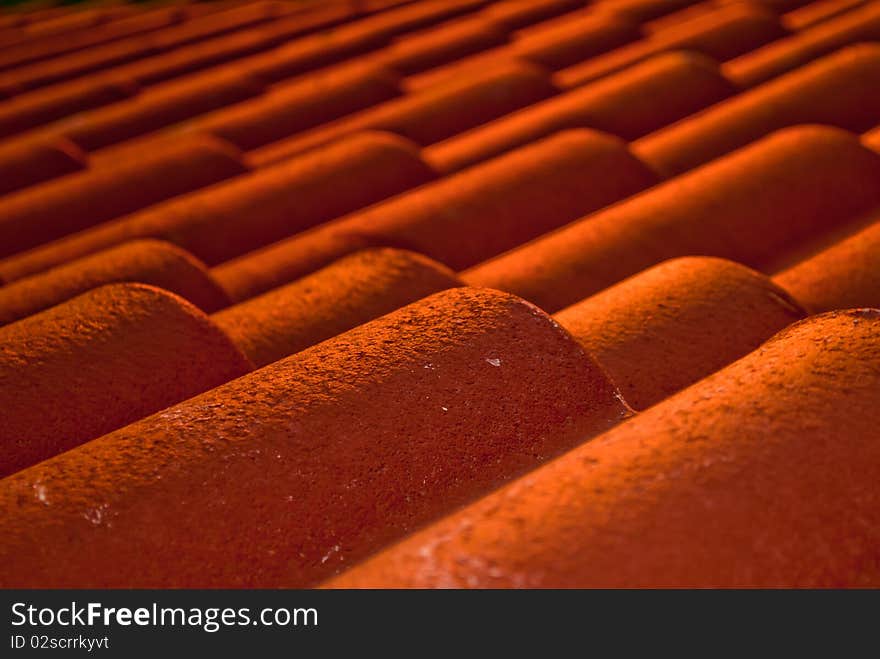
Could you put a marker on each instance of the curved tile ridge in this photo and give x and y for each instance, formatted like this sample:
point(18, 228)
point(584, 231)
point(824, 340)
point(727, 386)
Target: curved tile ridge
point(157, 108)
point(818, 12)
point(845, 275)
point(462, 219)
point(552, 44)
point(755, 476)
point(787, 54)
point(752, 206)
point(85, 93)
point(44, 106)
point(231, 218)
point(692, 10)
point(447, 42)
point(72, 203)
point(309, 464)
point(872, 139)
point(640, 10)
point(671, 325)
point(632, 103)
point(345, 294)
point(304, 104)
point(30, 162)
point(130, 54)
point(722, 34)
point(38, 49)
point(358, 39)
point(230, 48)
point(432, 115)
point(100, 361)
point(517, 14)
point(842, 89)
point(151, 262)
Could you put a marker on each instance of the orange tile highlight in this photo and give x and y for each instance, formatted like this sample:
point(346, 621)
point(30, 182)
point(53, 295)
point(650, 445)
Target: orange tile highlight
point(333, 300)
point(671, 325)
point(29, 162)
point(841, 90)
point(58, 208)
point(788, 54)
point(630, 104)
point(245, 213)
point(752, 207)
point(496, 206)
point(100, 361)
point(689, 494)
point(845, 275)
point(151, 262)
point(397, 422)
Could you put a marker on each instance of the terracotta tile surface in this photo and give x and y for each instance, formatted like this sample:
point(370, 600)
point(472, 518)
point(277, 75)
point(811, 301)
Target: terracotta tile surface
point(439, 402)
point(689, 493)
point(30, 162)
point(844, 275)
point(433, 115)
point(147, 261)
point(553, 46)
point(787, 54)
point(224, 221)
point(299, 106)
point(630, 104)
point(839, 90)
point(722, 34)
point(750, 206)
point(41, 107)
point(677, 322)
point(71, 203)
point(280, 273)
point(152, 346)
point(500, 204)
point(818, 12)
point(345, 294)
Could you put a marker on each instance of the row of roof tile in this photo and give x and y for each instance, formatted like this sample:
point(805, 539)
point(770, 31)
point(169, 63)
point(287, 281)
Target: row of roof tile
point(332, 345)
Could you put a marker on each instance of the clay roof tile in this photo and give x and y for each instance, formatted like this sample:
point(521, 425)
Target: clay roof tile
point(398, 421)
point(782, 440)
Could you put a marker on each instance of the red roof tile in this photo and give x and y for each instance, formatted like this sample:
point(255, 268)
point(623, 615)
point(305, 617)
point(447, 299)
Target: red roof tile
point(26, 163)
point(226, 220)
point(144, 261)
point(100, 361)
point(842, 90)
point(750, 207)
point(439, 402)
point(417, 52)
point(432, 115)
point(72, 203)
point(41, 107)
point(300, 105)
point(499, 205)
point(34, 50)
point(819, 11)
point(558, 45)
point(299, 169)
point(671, 325)
point(872, 139)
point(640, 10)
point(630, 104)
point(845, 275)
point(162, 106)
point(345, 294)
point(722, 34)
point(517, 14)
point(787, 54)
point(755, 476)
